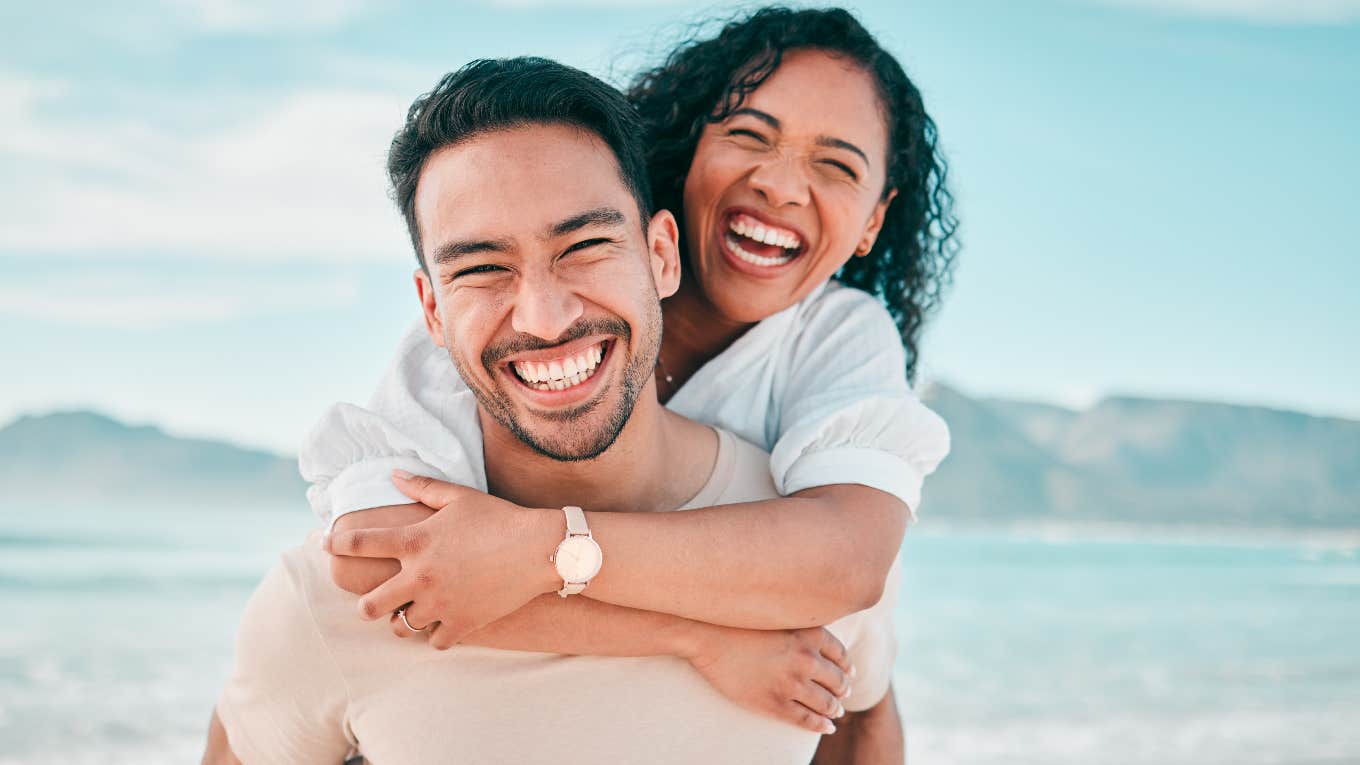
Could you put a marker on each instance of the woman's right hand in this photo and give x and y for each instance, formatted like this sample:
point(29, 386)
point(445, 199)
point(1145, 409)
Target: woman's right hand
point(798, 676)
point(362, 575)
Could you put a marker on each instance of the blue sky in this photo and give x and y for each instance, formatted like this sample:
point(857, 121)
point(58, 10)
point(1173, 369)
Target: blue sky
point(1157, 196)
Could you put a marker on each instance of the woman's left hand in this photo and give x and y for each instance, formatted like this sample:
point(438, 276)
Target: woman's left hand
point(475, 560)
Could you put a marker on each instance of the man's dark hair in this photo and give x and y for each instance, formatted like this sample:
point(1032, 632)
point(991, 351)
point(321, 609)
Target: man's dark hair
point(497, 94)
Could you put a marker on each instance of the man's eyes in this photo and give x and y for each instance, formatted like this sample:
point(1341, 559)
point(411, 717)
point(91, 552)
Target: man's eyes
point(485, 268)
point(588, 243)
point(493, 268)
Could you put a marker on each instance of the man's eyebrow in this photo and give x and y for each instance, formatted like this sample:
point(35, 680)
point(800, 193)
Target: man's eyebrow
point(600, 216)
point(451, 251)
point(825, 140)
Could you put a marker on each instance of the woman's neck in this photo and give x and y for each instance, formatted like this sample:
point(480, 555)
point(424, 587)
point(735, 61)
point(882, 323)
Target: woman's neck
point(693, 333)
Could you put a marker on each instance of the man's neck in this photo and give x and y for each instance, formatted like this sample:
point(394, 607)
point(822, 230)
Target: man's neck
point(659, 461)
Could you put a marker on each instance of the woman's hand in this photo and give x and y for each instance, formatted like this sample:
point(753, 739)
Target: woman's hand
point(798, 676)
point(363, 575)
point(472, 562)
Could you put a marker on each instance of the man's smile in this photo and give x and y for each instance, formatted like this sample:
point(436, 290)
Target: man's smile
point(561, 371)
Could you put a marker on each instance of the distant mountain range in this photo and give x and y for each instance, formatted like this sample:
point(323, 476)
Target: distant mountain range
point(1137, 460)
point(1127, 460)
point(83, 457)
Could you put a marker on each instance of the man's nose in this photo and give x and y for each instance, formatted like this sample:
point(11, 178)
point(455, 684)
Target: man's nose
point(781, 181)
point(544, 308)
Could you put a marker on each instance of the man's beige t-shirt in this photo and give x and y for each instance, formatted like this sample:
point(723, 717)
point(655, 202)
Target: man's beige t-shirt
point(315, 684)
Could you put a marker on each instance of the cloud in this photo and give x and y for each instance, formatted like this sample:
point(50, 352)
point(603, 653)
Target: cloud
point(1256, 11)
point(294, 176)
point(143, 298)
point(269, 15)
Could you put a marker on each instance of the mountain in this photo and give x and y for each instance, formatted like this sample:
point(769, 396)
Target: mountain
point(1127, 460)
point(1145, 461)
point(84, 457)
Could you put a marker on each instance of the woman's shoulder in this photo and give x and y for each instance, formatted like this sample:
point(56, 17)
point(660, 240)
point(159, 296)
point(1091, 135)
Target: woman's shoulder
point(835, 305)
point(838, 316)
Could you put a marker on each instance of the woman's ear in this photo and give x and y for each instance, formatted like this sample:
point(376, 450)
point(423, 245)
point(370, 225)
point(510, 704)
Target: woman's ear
point(425, 292)
point(875, 224)
point(663, 250)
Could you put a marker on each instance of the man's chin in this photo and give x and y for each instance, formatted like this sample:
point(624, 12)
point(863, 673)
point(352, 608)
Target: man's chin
point(578, 447)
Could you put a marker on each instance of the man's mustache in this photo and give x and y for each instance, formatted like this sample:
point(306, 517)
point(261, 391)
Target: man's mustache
point(494, 353)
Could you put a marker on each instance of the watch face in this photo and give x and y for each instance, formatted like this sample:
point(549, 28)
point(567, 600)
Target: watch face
point(578, 559)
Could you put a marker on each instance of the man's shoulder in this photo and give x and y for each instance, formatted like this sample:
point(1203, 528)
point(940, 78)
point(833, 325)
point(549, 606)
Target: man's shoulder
point(741, 472)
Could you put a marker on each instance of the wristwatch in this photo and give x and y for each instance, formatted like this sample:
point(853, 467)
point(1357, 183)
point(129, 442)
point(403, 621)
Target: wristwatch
point(578, 557)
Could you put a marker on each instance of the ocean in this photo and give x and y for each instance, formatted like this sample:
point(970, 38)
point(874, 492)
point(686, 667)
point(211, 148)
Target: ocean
point(1040, 646)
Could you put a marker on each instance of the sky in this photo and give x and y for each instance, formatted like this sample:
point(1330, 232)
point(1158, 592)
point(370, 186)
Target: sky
point(1157, 197)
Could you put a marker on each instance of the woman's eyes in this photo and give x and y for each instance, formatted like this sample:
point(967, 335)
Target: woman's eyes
point(839, 166)
point(747, 134)
point(842, 167)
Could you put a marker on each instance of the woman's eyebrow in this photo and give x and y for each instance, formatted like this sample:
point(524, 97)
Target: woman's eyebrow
point(839, 143)
point(825, 140)
point(767, 118)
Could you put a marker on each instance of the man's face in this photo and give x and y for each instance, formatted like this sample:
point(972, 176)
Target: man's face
point(543, 286)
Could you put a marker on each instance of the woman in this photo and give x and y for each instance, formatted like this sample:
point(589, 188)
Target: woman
point(792, 148)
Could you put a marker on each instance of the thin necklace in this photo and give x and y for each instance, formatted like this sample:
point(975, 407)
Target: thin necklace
point(661, 365)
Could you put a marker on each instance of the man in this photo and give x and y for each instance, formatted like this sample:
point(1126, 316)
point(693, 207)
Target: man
point(539, 252)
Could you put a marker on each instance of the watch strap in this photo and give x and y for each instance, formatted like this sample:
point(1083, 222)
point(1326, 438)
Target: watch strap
point(576, 527)
point(576, 521)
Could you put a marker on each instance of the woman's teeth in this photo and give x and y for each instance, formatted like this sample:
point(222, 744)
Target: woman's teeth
point(734, 245)
point(744, 228)
point(752, 229)
point(560, 374)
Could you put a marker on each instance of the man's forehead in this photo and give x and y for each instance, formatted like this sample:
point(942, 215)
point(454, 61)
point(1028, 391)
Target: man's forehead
point(517, 182)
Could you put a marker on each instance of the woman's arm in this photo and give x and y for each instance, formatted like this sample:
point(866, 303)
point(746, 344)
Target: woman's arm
point(871, 737)
point(796, 561)
point(798, 676)
point(776, 564)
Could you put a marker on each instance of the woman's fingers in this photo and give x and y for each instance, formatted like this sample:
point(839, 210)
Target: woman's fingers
point(422, 625)
point(819, 700)
point(834, 649)
point(806, 719)
point(830, 676)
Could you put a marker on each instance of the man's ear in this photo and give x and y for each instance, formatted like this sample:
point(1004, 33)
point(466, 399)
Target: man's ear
point(425, 291)
point(875, 225)
point(663, 250)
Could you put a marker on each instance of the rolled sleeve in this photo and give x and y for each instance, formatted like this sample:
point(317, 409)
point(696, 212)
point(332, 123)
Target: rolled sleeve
point(890, 444)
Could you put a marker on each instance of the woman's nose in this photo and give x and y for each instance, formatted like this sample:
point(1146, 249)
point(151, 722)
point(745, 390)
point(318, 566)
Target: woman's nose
point(780, 181)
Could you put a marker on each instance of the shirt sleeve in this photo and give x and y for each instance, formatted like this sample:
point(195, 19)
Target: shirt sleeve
point(844, 411)
point(422, 419)
point(871, 642)
point(285, 701)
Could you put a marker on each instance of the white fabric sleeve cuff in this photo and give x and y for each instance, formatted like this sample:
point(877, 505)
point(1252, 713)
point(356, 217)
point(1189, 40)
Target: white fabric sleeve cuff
point(368, 484)
point(868, 467)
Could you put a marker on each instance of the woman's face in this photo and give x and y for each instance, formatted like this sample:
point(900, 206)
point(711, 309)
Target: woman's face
point(785, 190)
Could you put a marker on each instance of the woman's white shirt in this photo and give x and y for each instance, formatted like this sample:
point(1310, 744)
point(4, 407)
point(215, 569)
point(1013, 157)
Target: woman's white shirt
point(821, 385)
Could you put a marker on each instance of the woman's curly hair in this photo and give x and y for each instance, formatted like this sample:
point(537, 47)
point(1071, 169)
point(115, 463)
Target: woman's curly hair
point(704, 81)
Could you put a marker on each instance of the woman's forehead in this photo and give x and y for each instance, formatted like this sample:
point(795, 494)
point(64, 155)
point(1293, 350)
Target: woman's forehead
point(820, 93)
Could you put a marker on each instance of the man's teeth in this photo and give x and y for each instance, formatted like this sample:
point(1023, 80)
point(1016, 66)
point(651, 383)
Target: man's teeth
point(563, 373)
point(751, 229)
point(752, 258)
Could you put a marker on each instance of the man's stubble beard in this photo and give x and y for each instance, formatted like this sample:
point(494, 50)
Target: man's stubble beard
point(500, 405)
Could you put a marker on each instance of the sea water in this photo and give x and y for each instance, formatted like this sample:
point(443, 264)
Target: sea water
point(1015, 647)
